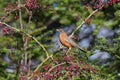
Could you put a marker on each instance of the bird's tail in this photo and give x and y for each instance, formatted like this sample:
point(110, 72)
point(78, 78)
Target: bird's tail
point(82, 49)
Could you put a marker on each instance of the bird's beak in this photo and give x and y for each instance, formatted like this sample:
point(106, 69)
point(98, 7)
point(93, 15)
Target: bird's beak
point(57, 30)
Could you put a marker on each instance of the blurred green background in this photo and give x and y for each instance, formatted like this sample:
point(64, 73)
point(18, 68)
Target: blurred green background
point(100, 36)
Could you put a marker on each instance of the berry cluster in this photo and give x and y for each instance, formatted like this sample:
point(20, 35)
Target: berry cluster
point(98, 3)
point(66, 68)
point(110, 2)
point(31, 4)
point(1, 24)
point(6, 30)
point(9, 7)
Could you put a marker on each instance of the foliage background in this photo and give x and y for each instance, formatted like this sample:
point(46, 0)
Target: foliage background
point(41, 21)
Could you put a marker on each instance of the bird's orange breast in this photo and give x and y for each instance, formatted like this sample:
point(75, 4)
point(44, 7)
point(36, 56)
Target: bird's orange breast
point(64, 42)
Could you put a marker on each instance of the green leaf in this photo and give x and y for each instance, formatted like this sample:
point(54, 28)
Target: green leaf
point(55, 17)
point(65, 21)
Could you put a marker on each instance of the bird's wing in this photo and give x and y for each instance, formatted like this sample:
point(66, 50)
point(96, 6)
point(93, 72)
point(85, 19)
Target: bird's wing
point(71, 41)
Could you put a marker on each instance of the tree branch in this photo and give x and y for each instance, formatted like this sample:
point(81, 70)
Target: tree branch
point(56, 66)
point(18, 30)
point(85, 20)
point(40, 66)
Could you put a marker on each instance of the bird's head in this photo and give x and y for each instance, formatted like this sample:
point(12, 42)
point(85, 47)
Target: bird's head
point(60, 30)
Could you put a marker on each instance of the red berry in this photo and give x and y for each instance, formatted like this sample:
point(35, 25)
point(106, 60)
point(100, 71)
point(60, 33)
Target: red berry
point(31, 4)
point(9, 7)
point(46, 67)
point(16, 17)
point(114, 1)
point(5, 30)
point(1, 24)
point(88, 21)
point(66, 68)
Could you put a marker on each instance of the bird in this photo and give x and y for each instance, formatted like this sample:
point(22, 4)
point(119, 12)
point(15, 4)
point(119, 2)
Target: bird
point(67, 41)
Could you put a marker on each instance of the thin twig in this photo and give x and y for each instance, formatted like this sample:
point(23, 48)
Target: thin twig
point(56, 66)
point(40, 66)
point(42, 63)
point(18, 30)
point(30, 16)
point(8, 13)
point(21, 27)
point(83, 22)
point(20, 14)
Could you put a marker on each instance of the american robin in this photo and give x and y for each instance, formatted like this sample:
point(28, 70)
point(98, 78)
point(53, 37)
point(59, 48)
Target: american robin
point(67, 41)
